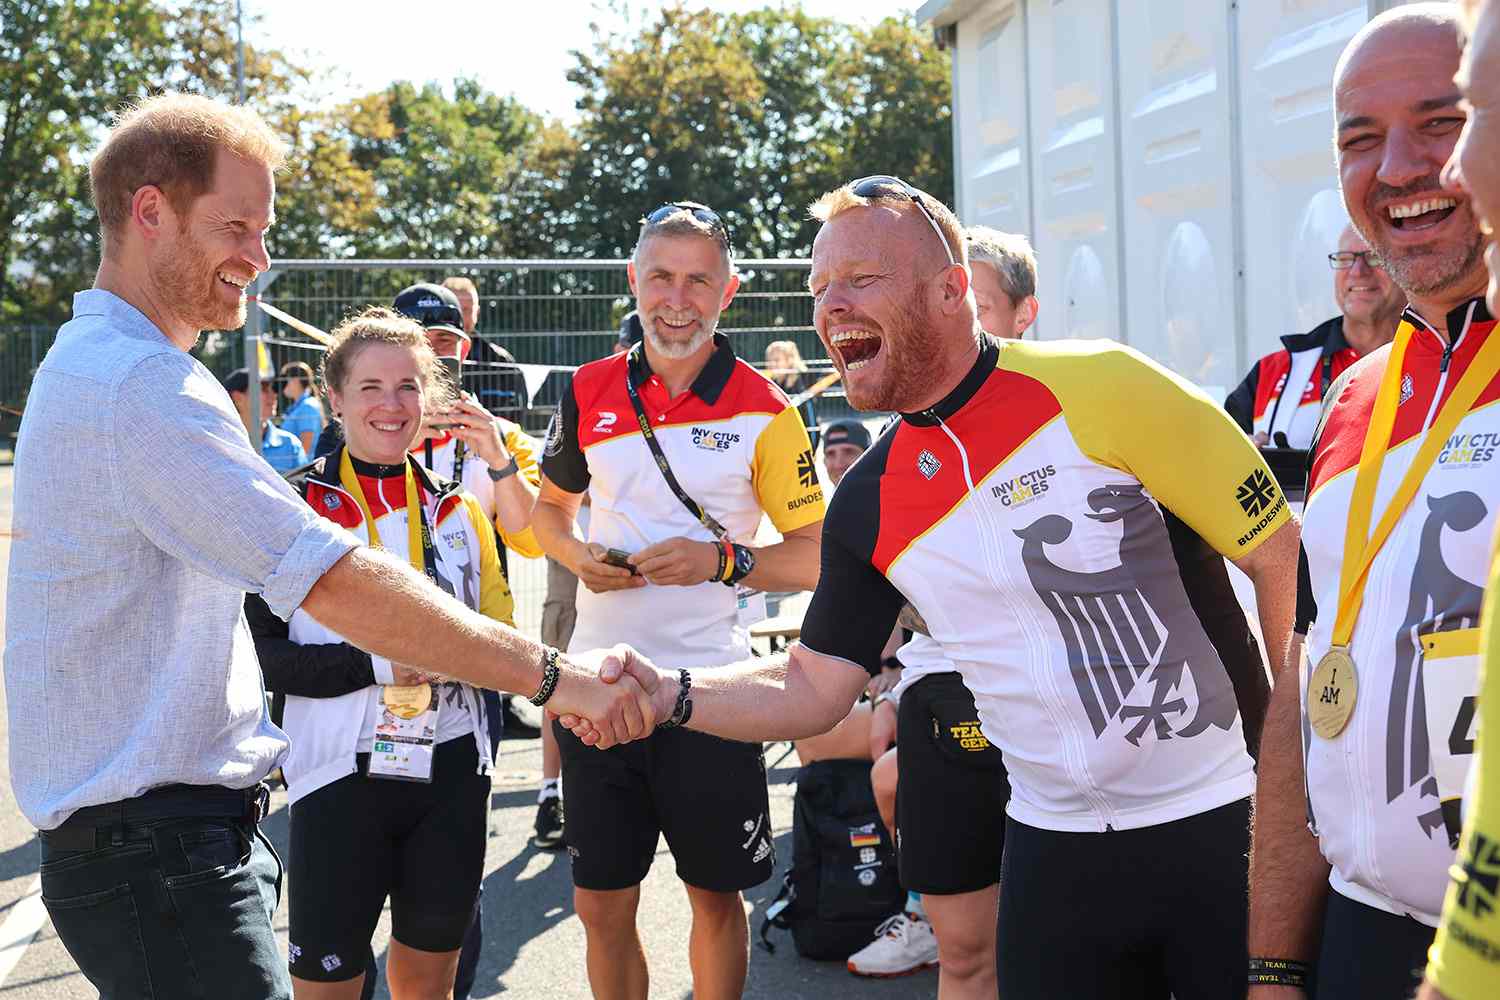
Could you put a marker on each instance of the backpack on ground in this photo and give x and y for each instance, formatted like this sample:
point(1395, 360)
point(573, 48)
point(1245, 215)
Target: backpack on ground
point(843, 881)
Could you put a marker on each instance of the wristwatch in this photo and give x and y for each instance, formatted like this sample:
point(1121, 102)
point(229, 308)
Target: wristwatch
point(505, 473)
point(744, 564)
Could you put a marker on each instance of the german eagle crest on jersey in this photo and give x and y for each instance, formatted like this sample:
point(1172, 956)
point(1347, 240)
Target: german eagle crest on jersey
point(1131, 635)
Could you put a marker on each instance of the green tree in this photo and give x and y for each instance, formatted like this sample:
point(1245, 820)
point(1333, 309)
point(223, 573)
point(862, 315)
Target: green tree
point(756, 114)
point(62, 65)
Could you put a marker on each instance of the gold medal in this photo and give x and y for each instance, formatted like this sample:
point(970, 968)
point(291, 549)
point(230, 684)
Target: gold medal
point(1331, 691)
point(406, 701)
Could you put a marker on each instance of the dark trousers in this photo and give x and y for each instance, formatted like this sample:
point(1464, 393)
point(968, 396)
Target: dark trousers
point(152, 903)
point(1369, 954)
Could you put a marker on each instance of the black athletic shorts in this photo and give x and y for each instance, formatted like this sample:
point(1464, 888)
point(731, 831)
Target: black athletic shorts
point(952, 791)
point(1126, 914)
point(705, 794)
point(1369, 954)
point(360, 839)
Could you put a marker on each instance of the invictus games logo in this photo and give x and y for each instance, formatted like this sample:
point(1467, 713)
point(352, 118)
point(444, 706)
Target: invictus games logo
point(1256, 493)
point(1024, 488)
point(807, 473)
point(1479, 885)
point(1468, 451)
point(710, 440)
point(928, 464)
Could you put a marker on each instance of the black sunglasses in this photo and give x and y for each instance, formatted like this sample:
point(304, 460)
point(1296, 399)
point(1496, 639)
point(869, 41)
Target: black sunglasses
point(702, 213)
point(882, 185)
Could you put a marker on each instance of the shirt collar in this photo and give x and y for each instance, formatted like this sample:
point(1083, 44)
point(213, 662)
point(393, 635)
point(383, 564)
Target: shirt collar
point(711, 381)
point(1457, 319)
point(989, 356)
point(129, 319)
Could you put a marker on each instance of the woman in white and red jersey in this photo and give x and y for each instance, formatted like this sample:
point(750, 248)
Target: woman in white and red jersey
point(388, 772)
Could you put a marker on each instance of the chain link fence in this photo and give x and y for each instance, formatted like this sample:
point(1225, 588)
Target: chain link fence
point(559, 313)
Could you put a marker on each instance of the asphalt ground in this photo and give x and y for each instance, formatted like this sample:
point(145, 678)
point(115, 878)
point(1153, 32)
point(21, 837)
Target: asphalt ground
point(533, 943)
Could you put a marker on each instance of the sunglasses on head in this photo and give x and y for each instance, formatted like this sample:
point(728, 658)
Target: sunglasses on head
point(886, 186)
point(702, 213)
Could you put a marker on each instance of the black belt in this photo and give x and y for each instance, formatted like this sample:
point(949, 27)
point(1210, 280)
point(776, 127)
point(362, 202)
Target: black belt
point(115, 823)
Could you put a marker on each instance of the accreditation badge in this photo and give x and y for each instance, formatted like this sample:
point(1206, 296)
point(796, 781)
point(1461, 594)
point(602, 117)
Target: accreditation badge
point(749, 607)
point(405, 733)
point(1331, 692)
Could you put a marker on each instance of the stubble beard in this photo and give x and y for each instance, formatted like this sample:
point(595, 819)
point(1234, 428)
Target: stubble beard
point(190, 288)
point(664, 348)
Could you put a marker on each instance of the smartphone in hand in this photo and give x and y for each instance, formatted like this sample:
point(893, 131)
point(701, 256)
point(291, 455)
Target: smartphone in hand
point(616, 557)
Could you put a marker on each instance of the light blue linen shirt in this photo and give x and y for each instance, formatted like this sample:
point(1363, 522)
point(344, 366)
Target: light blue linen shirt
point(141, 517)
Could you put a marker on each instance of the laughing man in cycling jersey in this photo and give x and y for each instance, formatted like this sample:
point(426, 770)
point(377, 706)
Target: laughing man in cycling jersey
point(1057, 513)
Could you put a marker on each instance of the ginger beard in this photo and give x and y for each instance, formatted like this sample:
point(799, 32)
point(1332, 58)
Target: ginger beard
point(192, 289)
point(910, 344)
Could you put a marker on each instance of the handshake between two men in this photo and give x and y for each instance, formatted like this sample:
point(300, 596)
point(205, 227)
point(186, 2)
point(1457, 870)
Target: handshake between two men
point(638, 699)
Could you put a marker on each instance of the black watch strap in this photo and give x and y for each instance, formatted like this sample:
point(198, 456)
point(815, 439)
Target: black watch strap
point(510, 470)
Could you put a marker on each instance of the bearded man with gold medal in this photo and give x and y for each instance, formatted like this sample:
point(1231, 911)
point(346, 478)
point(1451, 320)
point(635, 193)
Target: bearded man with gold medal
point(1366, 750)
point(388, 771)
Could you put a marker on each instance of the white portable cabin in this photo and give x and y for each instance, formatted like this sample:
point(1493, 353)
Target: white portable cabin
point(1171, 160)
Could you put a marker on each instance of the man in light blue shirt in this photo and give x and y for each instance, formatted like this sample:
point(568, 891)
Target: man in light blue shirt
point(278, 446)
point(138, 735)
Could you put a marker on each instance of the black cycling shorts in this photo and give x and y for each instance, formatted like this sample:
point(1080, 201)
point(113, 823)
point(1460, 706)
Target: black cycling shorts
point(705, 794)
point(1369, 954)
point(359, 840)
point(1126, 914)
point(952, 791)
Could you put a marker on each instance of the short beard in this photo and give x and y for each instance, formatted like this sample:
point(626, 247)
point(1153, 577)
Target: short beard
point(670, 351)
point(1430, 272)
point(180, 277)
point(913, 347)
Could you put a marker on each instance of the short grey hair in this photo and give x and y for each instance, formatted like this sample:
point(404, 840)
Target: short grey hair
point(1010, 254)
point(683, 222)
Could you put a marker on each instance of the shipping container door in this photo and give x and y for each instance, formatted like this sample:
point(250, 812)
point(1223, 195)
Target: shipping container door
point(994, 170)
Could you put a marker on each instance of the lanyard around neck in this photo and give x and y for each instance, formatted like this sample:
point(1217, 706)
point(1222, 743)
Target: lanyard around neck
point(420, 551)
point(704, 517)
point(1361, 546)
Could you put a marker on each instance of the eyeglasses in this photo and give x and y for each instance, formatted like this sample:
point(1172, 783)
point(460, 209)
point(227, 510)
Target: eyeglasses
point(702, 213)
point(878, 185)
point(1342, 260)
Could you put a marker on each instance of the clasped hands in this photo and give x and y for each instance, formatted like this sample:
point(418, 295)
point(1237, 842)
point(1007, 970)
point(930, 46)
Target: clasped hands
point(616, 697)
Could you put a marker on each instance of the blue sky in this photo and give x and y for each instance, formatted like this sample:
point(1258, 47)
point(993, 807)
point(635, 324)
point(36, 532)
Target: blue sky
point(519, 47)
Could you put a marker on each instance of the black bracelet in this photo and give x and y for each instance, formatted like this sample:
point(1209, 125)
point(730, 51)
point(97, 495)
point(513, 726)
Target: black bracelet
point(723, 562)
point(510, 469)
point(550, 673)
point(1279, 972)
point(683, 710)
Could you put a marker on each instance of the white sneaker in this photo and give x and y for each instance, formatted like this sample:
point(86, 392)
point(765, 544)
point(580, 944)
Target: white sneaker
point(903, 944)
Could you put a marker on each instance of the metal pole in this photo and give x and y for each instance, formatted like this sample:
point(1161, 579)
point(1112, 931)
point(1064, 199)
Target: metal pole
point(252, 365)
point(239, 65)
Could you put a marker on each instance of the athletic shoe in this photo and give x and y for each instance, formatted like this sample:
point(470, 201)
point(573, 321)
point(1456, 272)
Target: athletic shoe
point(903, 944)
point(549, 824)
point(523, 720)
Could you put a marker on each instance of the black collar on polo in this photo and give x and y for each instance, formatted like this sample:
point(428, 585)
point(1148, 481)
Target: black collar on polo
point(1455, 318)
point(711, 381)
point(989, 356)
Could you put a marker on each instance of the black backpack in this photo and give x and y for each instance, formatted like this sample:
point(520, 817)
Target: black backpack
point(843, 881)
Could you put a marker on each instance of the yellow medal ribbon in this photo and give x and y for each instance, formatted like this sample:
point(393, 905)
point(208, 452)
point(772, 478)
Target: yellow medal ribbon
point(1334, 684)
point(406, 701)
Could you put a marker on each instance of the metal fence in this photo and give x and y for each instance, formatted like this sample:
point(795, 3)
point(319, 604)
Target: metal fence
point(543, 312)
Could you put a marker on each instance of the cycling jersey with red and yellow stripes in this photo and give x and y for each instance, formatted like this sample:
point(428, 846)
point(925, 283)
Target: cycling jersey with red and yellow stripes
point(1384, 794)
point(1060, 522)
point(736, 446)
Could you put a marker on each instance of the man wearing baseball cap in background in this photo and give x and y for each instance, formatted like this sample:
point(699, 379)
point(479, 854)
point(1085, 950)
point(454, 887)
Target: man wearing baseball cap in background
point(843, 442)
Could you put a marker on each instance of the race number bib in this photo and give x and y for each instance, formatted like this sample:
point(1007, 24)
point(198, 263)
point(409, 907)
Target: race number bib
point(1450, 668)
